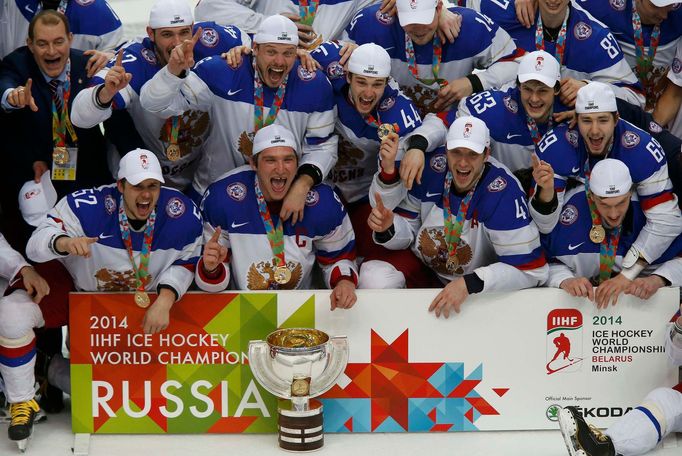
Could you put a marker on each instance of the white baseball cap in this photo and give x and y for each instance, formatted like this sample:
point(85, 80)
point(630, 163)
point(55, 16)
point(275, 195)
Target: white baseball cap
point(277, 29)
point(539, 66)
point(170, 13)
point(273, 136)
point(595, 97)
point(470, 132)
point(662, 3)
point(370, 60)
point(36, 200)
point(416, 11)
point(138, 165)
point(610, 177)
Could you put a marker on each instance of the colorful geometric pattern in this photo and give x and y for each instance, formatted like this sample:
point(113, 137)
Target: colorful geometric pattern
point(388, 394)
point(392, 394)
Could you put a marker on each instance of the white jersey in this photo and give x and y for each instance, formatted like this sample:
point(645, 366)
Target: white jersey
point(140, 61)
point(675, 77)
point(358, 156)
point(499, 241)
point(93, 23)
point(331, 18)
point(175, 248)
point(324, 235)
point(482, 45)
point(227, 94)
point(574, 255)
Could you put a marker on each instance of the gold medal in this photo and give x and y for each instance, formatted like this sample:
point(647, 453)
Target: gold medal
point(597, 234)
point(60, 155)
point(173, 152)
point(282, 275)
point(452, 264)
point(142, 299)
point(385, 130)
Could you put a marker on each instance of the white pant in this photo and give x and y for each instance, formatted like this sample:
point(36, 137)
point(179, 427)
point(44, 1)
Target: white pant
point(18, 316)
point(639, 431)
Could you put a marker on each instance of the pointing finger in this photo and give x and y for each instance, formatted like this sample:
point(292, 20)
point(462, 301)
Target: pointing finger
point(535, 161)
point(380, 203)
point(216, 235)
point(119, 58)
point(92, 240)
point(196, 36)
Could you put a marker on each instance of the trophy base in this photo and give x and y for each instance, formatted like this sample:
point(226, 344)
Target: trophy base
point(300, 430)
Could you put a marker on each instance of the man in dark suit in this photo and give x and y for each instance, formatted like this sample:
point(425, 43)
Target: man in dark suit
point(38, 83)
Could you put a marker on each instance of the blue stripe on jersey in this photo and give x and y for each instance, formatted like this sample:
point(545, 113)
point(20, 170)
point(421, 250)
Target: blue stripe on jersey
point(519, 261)
point(346, 253)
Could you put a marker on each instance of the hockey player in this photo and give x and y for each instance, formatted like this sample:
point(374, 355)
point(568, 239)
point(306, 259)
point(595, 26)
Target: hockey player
point(432, 73)
point(178, 142)
point(247, 241)
point(519, 116)
point(467, 220)
point(95, 26)
point(270, 87)
point(583, 260)
point(134, 235)
point(29, 288)
point(366, 98)
point(647, 31)
point(641, 429)
point(564, 153)
point(569, 33)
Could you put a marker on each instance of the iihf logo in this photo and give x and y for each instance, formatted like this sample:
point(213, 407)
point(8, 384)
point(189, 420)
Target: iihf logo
point(467, 129)
point(539, 63)
point(564, 340)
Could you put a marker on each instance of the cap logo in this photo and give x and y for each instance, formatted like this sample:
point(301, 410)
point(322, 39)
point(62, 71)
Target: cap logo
point(284, 36)
point(591, 105)
point(277, 139)
point(370, 70)
point(539, 63)
point(144, 162)
point(612, 189)
point(413, 4)
point(177, 20)
point(31, 193)
point(467, 129)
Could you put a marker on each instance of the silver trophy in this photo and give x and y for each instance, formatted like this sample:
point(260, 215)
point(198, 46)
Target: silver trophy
point(299, 364)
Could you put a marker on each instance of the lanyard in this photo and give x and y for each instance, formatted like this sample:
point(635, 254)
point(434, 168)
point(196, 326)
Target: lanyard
point(560, 47)
point(645, 63)
point(307, 10)
point(435, 64)
point(453, 229)
point(259, 121)
point(61, 123)
point(141, 272)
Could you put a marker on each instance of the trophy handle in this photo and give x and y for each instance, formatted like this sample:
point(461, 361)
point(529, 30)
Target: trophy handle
point(338, 359)
point(259, 353)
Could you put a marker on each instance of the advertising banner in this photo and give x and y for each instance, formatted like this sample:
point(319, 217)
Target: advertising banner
point(508, 361)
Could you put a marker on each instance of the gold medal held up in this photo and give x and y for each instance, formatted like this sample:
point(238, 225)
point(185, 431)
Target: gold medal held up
point(597, 234)
point(173, 152)
point(60, 155)
point(385, 130)
point(142, 299)
point(282, 275)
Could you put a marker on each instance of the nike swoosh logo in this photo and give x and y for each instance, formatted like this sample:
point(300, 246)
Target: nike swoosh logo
point(28, 9)
point(103, 236)
point(575, 170)
point(391, 47)
point(237, 225)
point(232, 92)
point(429, 194)
point(573, 247)
point(511, 136)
